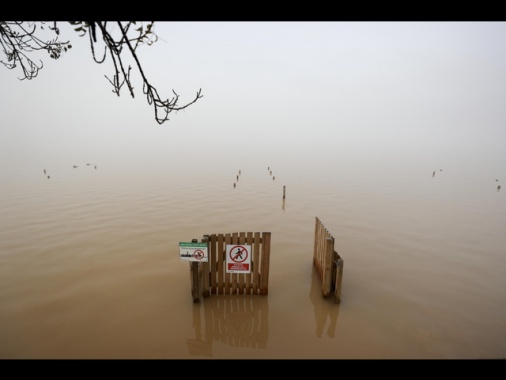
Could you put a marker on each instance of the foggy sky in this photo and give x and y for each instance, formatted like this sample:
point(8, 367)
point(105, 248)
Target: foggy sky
point(368, 89)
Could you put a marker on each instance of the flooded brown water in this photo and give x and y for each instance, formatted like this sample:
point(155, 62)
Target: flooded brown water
point(90, 267)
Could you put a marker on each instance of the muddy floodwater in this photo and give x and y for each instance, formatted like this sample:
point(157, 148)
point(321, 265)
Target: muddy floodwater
point(90, 265)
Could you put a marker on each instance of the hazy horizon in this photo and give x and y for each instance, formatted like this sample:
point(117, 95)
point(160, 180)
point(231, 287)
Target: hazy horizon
point(367, 90)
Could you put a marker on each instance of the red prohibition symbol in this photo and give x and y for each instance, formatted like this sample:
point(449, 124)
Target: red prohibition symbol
point(238, 254)
point(198, 254)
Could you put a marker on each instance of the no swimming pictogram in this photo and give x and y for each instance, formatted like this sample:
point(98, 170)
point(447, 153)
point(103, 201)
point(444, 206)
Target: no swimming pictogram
point(198, 254)
point(238, 258)
point(193, 251)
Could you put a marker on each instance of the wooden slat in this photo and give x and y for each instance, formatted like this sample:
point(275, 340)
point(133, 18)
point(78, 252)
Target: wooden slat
point(213, 257)
point(256, 263)
point(228, 276)
point(248, 277)
point(241, 278)
point(234, 276)
point(327, 266)
point(221, 264)
point(316, 241)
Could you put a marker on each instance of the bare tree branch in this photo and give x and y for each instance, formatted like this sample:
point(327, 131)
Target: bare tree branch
point(18, 41)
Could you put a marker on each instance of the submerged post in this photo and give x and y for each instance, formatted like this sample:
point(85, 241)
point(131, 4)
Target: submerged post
point(194, 269)
point(338, 262)
point(194, 274)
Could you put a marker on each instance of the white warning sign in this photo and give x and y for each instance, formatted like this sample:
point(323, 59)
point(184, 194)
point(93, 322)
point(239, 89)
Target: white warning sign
point(193, 252)
point(238, 258)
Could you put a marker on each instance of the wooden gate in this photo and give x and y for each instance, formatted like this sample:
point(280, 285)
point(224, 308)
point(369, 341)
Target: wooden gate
point(327, 262)
point(211, 277)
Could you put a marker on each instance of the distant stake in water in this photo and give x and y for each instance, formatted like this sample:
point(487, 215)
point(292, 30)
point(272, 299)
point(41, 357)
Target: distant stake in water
point(284, 192)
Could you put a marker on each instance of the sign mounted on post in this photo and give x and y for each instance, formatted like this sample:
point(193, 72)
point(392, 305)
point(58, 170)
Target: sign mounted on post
point(238, 258)
point(193, 252)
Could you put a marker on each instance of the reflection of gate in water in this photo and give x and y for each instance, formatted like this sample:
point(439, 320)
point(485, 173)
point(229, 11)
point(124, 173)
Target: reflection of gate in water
point(237, 321)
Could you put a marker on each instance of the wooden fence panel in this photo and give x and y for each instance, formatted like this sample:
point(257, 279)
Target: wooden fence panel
point(327, 262)
point(213, 277)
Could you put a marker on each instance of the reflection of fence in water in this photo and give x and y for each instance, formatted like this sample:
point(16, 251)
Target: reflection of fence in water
point(326, 312)
point(239, 321)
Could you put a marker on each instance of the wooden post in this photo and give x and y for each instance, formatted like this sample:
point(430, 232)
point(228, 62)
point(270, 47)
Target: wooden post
point(339, 278)
point(194, 269)
point(284, 192)
point(205, 269)
point(195, 278)
point(266, 251)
